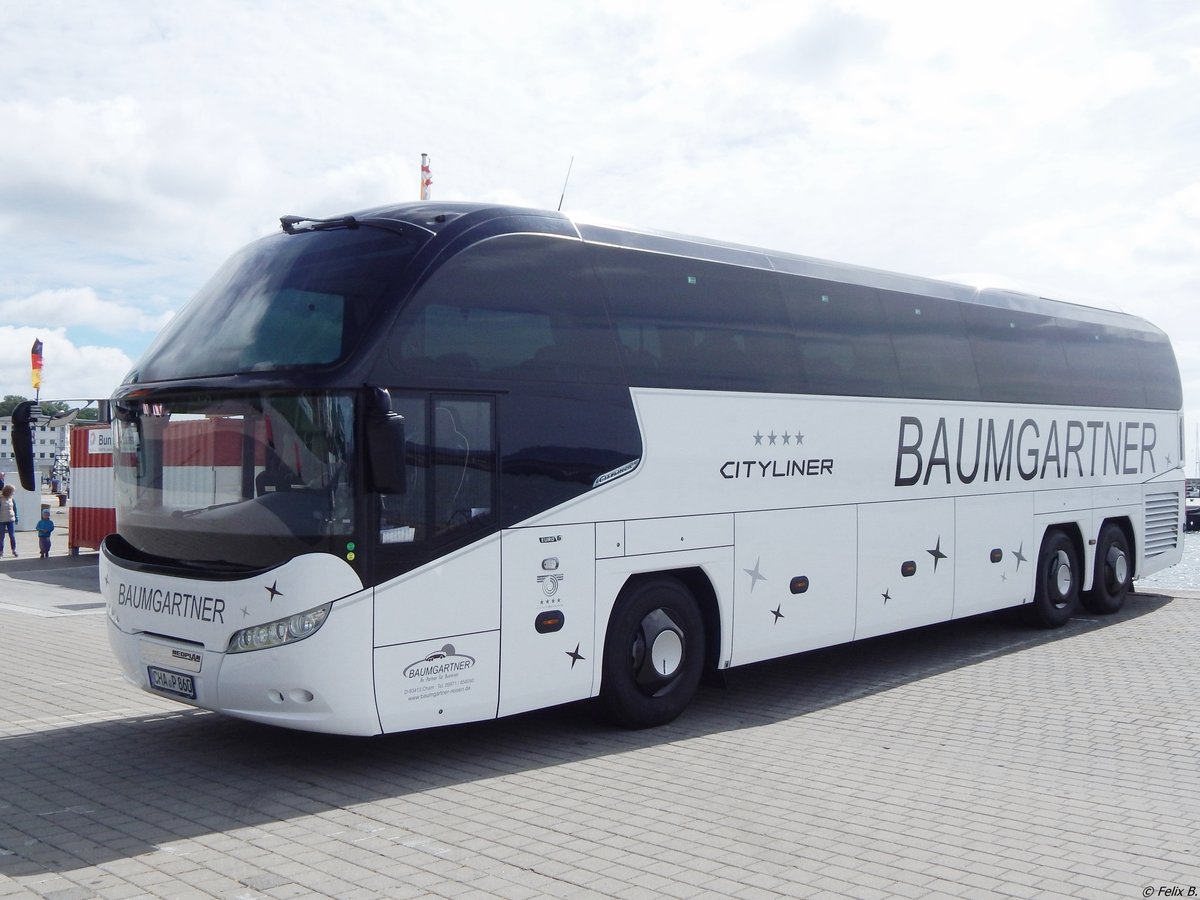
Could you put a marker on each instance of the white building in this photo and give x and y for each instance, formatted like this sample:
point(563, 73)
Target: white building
point(49, 443)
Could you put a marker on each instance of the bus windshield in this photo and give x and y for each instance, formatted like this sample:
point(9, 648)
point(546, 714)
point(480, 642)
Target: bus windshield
point(303, 299)
point(234, 481)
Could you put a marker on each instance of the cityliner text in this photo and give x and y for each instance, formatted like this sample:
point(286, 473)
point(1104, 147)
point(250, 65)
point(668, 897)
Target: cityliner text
point(775, 468)
point(964, 449)
point(172, 603)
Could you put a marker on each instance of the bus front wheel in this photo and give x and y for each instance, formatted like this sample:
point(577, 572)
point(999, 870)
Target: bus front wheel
point(1114, 572)
point(1056, 593)
point(653, 654)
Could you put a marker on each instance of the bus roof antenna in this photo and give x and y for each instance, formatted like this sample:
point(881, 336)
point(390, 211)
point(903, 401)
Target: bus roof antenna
point(565, 180)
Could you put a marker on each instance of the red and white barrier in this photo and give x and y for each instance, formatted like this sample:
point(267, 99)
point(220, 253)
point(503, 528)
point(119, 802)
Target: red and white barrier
point(91, 516)
point(202, 466)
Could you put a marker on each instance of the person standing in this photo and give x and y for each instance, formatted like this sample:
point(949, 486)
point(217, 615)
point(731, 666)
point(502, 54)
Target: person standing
point(8, 519)
point(44, 528)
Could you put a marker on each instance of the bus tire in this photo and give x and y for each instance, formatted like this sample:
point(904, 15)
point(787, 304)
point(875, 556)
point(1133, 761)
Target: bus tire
point(1056, 592)
point(1114, 572)
point(653, 654)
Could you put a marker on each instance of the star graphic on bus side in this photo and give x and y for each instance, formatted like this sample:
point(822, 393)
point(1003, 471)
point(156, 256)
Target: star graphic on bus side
point(575, 656)
point(755, 575)
point(1019, 555)
point(937, 553)
point(788, 437)
point(886, 596)
point(777, 612)
point(272, 590)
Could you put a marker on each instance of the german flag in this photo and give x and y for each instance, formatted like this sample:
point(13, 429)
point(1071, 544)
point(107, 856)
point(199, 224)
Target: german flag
point(36, 357)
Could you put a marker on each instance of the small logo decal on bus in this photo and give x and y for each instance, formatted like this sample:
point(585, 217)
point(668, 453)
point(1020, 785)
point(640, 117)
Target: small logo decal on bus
point(440, 662)
point(616, 473)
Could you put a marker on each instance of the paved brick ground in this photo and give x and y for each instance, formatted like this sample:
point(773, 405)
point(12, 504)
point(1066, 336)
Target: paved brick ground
point(964, 760)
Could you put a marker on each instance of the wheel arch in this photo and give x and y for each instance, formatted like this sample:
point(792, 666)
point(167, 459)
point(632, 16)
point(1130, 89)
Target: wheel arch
point(1075, 535)
point(1126, 525)
point(700, 586)
point(1055, 602)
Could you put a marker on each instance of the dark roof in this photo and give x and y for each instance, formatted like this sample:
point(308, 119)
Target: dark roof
point(436, 217)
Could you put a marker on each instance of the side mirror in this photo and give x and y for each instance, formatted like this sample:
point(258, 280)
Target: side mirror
point(385, 445)
point(22, 438)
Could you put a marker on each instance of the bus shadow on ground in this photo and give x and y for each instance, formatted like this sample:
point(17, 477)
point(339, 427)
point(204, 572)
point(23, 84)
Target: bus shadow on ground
point(80, 573)
point(89, 794)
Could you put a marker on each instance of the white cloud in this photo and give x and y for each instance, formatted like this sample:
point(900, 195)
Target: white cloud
point(77, 308)
point(1049, 142)
point(68, 371)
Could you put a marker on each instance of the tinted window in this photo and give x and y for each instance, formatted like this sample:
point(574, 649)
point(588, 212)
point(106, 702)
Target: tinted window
point(463, 464)
point(1102, 363)
point(287, 300)
point(403, 517)
point(693, 324)
point(450, 470)
point(1160, 374)
point(932, 350)
point(1018, 356)
point(517, 307)
point(842, 340)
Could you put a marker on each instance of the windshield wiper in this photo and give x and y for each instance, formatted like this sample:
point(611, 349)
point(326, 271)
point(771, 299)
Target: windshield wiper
point(289, 223)
point(298, 224)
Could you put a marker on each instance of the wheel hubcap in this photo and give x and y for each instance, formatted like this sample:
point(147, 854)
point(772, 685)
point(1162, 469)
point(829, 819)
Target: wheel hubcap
point(1118, 566)
point(1062, 575)
point(657, 651)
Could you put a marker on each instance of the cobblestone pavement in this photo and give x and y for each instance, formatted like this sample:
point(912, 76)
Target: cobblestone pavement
point(964, 760)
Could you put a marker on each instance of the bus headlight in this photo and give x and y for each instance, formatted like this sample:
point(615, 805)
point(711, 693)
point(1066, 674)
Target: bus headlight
point(280, 632)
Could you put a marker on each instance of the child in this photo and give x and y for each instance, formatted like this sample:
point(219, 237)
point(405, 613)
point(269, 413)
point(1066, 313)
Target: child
point(44, 527)
point(8, 519)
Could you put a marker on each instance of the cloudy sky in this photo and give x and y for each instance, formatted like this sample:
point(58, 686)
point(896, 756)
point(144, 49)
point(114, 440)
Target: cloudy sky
point(1048, 145)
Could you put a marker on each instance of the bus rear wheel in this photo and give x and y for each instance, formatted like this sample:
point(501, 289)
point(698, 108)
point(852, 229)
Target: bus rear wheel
point(1056, 593)
point(1113, 578)
point(653, 654)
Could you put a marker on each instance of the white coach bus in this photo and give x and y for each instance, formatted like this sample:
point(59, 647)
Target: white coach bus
point(431, 464)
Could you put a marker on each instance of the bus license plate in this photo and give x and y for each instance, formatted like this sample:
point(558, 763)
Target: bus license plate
point(172, 682)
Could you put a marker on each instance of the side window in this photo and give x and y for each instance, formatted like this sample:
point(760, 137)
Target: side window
point(1160, 374)
point(520, 307)
point(1103, 364)
point(1019, 356)
point(450, 472)
point(689, 323)
point(932, 350)
point(403, 517)
point(463, 463)
point(842, 338)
